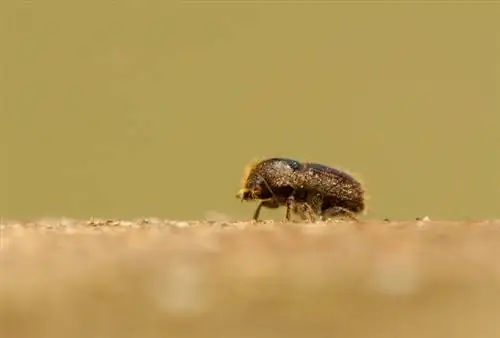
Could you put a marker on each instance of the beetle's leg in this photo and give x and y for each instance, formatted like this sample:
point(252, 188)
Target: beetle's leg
point(295, 207)
point(290, 201)
point(338, 211)
point(309, 212)
point(314, 202)
point(300, 208)
point(299, 204)
point(271, 204)
point(257, 212)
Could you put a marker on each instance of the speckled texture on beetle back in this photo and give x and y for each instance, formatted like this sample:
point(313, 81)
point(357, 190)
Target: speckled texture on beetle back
point(331, 182)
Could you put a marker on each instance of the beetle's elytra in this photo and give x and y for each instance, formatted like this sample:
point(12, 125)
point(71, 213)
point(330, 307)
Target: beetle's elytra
point(308, 189)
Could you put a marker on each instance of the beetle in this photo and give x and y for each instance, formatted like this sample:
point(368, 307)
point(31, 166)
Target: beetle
point(308, 189)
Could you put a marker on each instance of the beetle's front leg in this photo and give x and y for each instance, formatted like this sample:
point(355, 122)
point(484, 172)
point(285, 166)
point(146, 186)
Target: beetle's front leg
point(271, 204)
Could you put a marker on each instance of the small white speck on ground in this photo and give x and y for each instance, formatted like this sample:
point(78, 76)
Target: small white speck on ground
point(181, 224)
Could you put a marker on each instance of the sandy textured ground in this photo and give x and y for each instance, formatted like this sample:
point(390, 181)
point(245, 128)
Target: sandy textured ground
point(155, 278)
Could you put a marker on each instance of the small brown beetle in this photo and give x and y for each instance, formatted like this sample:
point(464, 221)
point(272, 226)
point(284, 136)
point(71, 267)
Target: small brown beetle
point(308, 189)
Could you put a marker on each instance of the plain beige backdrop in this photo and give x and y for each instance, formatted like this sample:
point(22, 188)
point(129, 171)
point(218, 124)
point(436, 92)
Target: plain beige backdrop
point(148, 108)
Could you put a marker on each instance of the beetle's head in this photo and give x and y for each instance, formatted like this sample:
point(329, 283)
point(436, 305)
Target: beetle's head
point(254, 184)
point(249, 194)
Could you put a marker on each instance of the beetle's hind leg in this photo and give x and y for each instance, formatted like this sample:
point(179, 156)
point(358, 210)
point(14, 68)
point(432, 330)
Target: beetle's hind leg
point(338, 211)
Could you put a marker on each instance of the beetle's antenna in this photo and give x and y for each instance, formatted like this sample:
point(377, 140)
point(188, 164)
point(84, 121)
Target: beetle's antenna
point(268, 187)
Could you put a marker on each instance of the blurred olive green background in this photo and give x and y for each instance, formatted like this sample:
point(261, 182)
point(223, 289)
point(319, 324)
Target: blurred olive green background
point(139, 108)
